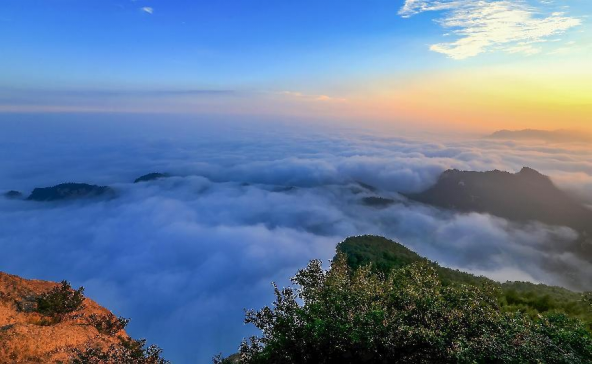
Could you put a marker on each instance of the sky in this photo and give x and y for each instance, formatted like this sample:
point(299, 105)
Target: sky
point(271, 116)
point(435, 64)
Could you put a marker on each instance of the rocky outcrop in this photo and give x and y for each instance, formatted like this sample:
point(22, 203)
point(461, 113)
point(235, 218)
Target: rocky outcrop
point(27, 336)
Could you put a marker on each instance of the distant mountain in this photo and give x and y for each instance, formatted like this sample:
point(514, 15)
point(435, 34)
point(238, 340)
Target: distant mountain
point(151, 176)
point(524, 196)
point(557, 136)
point(69, 191)
point(13, 194)
point(377, 201)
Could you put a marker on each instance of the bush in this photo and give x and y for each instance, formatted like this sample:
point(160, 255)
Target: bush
point(128, 351)
point(408, 316)
point(587, 299)
point(60, 300)
point(108, 324)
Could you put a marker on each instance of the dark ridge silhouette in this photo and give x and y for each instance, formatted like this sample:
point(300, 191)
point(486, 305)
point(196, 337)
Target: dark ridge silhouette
point(557, 136)
point(377, 201)
point(13, 194)
point(151, 176)
point(525, 196)
point(70, 191)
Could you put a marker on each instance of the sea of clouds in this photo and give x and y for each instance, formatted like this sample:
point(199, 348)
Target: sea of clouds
point(250, 203)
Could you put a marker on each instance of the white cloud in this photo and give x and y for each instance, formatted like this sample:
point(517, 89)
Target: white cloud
point(489, 25)
point(147, 9)
point(183, 256)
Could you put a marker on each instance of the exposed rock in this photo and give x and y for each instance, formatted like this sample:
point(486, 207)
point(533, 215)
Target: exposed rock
point(26, 336)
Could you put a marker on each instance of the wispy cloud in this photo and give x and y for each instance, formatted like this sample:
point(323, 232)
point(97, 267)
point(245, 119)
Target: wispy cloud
point(147, 9)
point(20, 94)
point(490, 25)
point(311, 97)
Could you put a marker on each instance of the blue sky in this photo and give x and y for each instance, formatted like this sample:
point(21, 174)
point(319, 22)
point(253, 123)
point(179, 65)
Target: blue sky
point(183, 43)
point(252, 56)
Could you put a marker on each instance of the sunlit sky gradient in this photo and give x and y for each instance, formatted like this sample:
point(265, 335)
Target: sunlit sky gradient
point(468, 64)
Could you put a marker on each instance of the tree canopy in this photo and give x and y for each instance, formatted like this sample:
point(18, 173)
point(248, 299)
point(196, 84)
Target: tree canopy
point(408, 315)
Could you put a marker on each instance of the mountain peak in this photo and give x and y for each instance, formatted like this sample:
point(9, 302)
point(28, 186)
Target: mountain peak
point(529, 171)
point(524, 196)
point(151, 176)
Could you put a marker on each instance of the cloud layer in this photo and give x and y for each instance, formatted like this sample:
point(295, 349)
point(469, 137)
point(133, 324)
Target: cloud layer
point(489, 25)
point(250, 204)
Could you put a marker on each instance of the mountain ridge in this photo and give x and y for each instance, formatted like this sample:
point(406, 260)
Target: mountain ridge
point(385, 255)
point(524, 196)
point(553, 136)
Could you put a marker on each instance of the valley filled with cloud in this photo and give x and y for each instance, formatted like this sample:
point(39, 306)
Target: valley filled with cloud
point(248, 204)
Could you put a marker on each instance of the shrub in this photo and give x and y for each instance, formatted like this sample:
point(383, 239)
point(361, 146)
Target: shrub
point(128, 351)
point(408, 316)
point(587, 299)
point(60, 300)
point(108, 324)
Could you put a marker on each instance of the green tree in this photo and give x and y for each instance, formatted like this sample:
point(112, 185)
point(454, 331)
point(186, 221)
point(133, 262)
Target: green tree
point(108, 324)
point(60, 300)
point(406, 316)
point(128, 351)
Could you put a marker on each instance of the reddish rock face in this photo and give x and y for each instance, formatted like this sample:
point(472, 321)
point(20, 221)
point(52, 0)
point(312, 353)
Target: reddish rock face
point(29, 337)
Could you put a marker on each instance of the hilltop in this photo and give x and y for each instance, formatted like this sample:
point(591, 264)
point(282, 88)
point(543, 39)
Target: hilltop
point(47, 322)
point(151, 177)
point(380, 302)
point(386, 255)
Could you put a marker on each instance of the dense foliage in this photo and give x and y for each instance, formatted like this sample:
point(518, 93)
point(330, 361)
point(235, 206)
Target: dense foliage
point(407, 316)
point(539, 298)
point(385, 255)
point(60, 300)
point(129, 351)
